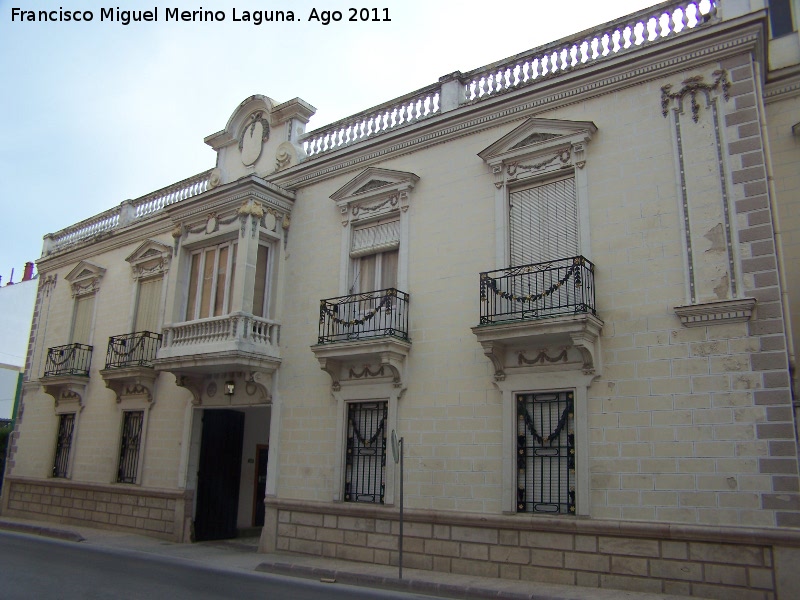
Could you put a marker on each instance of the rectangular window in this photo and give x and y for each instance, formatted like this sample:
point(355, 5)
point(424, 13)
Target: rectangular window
point(365, 463)
point(546, 453)
point(260, 290)
point(544, 223)
point(147, 305)
point(129, 447)
point(66, 424)
point(374, 250)
point(780, 17)
point(82, 322)
point(211, 281)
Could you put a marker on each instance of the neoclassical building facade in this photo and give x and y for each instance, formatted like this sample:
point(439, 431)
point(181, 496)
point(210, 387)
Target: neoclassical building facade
point(566, 280)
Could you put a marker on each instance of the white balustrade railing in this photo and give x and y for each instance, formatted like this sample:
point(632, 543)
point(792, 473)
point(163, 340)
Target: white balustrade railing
point(631, 33)
point(641, 29)
point(127, 212)
point(408, 109)
point(105, 221)
point(176, 192)
point(229, 328)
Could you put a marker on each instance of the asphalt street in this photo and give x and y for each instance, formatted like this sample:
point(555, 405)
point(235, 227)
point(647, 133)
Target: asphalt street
point(32, 567)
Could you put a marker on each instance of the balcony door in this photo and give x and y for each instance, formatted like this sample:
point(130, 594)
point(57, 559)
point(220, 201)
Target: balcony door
point(147, 305)
point(82, 323)
point(544, 222)
point(543, 228)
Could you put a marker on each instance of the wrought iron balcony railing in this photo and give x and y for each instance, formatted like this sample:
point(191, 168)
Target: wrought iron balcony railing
point(383, 313)
point(72, 359)
point(132, 350)
point(537, 291)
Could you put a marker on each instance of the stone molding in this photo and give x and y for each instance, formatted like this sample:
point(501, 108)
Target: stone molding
point(387, 353)
point(131, 382)
point(714, 313)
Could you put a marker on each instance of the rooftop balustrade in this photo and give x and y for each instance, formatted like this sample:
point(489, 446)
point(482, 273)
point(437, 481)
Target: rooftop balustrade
point(629, 34)
point(126, 213)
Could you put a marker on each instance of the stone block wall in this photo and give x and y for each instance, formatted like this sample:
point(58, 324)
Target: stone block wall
point(158, 513)
point(658, 558)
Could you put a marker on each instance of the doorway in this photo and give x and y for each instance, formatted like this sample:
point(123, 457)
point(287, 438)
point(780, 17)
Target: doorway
point(219, 475)
point(260, 485)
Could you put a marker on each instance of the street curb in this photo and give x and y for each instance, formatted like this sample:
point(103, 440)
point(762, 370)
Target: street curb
point(447, 590)
point(61, 534)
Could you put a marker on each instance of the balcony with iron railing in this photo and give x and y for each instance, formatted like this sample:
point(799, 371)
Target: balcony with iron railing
point(66, 372)
point(383, 313)
point(368, 330)
point(539, 306)
point(537, 291)
point(129, 364)
point(68, 360)
point(132, 350)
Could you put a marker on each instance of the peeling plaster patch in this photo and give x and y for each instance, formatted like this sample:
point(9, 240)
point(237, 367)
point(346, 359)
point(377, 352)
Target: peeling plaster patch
point(716, 235)
point(722, 288)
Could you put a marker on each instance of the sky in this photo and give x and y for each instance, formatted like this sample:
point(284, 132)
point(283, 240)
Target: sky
point(94, 113)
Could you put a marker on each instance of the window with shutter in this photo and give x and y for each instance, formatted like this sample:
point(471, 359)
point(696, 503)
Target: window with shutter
point(544, 222)
point(374, 250)
point(82, 322)
point(147, 305)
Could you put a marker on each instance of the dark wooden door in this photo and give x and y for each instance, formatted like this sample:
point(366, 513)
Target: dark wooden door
point(219, 475)
point(262, 453)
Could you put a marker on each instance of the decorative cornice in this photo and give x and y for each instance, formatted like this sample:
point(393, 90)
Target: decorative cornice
point(713, 313)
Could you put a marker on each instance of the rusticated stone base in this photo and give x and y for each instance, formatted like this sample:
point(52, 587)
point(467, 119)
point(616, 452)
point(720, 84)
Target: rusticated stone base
point(158, 513)
point(675, 559)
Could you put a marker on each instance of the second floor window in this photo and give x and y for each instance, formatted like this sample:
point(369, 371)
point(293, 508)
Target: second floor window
point(211, 273)
point(374, 251)
point(147, 305)
point(82, 320)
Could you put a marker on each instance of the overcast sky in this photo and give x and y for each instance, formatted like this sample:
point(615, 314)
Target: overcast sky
point(95, 113)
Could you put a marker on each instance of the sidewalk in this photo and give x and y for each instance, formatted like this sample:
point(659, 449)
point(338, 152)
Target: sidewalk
point(242, 554)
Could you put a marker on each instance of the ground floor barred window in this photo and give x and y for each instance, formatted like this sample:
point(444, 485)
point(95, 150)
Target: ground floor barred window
point(546, 453)
point(66, 425)
point(365, 461)
point(129, 447)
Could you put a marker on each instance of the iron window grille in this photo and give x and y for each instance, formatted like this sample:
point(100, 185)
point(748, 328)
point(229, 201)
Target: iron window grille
point(132, 350)
point(546, 453)
point(66, 425)
point(129, 448)
point(365, 464)
point(536, 291)
point(71, 359)
point(383, 313)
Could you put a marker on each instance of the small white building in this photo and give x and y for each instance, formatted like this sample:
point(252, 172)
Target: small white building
point(16, 311)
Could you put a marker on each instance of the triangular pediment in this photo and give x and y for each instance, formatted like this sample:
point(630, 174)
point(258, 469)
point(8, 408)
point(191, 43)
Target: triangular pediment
point(83, 271)
point(536, 136)
point(147, 251)
point(373, 182)
point(85, 278)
